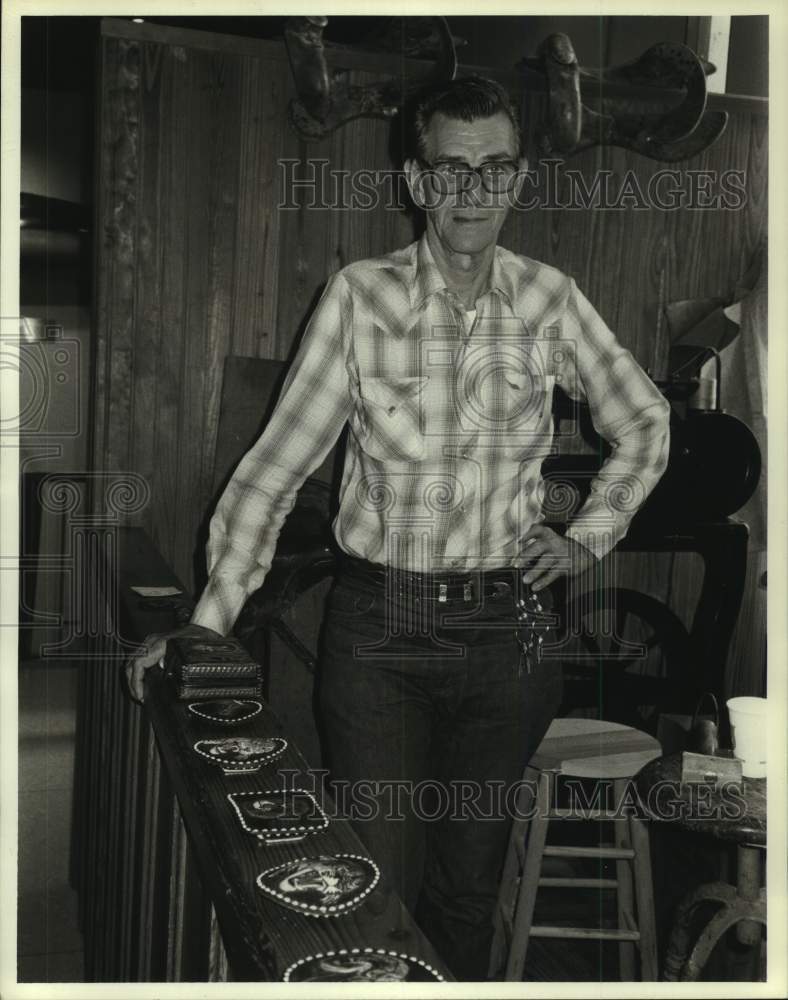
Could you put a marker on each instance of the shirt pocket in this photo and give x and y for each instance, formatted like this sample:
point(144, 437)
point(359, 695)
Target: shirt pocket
point(530, 409)
point(392, 417)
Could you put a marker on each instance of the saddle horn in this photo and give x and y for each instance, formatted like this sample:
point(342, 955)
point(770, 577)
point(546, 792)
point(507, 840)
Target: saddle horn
point(327, 100)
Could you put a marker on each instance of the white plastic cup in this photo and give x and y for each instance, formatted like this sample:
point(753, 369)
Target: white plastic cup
point(748, 729)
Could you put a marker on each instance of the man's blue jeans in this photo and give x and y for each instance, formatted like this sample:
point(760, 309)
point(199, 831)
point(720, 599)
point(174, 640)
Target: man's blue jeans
point(431, 722)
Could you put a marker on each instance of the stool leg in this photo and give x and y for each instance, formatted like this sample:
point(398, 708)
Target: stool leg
point(748, 884)
point(624, 894)
point(529, 882)
point(507, 893)
point(644, 891)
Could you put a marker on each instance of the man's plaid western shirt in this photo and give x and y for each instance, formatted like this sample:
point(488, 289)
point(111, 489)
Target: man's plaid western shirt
point(449, 424)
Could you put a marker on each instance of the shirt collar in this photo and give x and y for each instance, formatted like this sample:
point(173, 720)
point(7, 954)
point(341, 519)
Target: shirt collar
point(429, 280)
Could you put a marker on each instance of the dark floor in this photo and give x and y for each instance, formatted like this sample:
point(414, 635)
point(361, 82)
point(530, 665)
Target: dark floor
point(49, 940)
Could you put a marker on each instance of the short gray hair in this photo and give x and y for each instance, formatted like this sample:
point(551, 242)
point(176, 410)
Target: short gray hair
point(466, 99)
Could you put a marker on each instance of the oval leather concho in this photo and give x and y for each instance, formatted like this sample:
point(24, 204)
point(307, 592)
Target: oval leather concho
point(225, 712)
point(326, 885)
point(360, 965)
point(241, 754)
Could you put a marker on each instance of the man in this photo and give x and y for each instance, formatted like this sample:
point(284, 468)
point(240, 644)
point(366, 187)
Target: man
point(442, 357)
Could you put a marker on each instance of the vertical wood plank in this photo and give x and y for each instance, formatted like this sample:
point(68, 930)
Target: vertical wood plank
point(209, 291)
point(746, 668)
point(167, 210)
point(118, 170)
point(154, 73)
point(176, 896)
point(257, 256)
point(218, 968)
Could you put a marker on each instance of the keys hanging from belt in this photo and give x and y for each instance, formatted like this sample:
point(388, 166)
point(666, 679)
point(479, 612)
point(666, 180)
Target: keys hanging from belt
point(530, 618)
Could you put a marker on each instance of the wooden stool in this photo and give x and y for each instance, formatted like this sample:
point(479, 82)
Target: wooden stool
point(582, 748)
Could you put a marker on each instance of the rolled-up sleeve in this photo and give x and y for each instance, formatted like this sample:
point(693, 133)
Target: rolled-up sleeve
point(628, 411)
point(313, 407)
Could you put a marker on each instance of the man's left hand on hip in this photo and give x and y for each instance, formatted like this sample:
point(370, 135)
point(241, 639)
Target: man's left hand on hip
point(550, 556)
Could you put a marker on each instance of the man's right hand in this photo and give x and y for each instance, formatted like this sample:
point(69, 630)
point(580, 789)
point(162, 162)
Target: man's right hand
point(152, 653)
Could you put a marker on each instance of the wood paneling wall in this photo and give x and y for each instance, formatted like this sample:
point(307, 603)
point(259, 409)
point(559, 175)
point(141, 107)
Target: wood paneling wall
point(195, 261)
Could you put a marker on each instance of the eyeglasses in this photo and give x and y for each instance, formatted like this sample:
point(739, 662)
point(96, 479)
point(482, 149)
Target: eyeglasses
point(455, 175)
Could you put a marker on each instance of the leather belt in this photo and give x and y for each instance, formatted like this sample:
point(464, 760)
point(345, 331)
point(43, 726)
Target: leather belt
point(531, 622)
point(467, 586)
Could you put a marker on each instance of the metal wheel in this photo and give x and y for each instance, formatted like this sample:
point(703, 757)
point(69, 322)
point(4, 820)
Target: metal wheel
point(627, 657)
